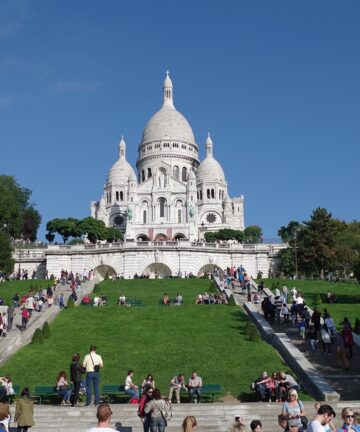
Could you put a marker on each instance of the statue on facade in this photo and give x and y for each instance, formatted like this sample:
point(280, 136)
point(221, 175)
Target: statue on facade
point(191, 211)
point(129, 214)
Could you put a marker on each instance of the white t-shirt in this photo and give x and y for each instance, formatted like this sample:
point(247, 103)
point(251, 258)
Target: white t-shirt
point(128, 382)
point(97, 429)
point(315, 426)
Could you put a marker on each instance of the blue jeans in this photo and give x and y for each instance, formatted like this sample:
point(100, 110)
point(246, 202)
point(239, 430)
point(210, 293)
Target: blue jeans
point(92, 378)
point(66, 394)
point(193, 391)
point(157, 424)
point(132, 393)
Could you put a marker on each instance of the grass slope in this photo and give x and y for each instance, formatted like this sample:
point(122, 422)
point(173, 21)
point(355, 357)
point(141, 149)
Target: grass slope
point(151, 339)
point(9, 289)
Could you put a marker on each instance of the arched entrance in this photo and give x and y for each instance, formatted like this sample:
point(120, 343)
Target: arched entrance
point(157, 270)
point(142, 237)
point(104, 270)
point(179, 236)
point(160, 237)
point(209, 268)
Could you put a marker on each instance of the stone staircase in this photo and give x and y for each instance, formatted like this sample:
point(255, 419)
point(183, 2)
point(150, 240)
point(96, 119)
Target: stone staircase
point(215, 417)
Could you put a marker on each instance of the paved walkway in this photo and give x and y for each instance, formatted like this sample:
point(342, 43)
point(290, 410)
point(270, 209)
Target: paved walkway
point(346, 383)
point(16, 338)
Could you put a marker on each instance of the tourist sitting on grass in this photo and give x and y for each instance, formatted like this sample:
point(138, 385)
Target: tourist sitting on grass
point(103, 299)
point(166, 299)
point(130, 388)
point(289, 381)
point(148, 381)
point(86, 300)
point(199, 299)
point(122, 300)
point(259, 388)
point(6, 385)
point(195, 386)
point(176, 384)
point(63, 388)
point(178, 299)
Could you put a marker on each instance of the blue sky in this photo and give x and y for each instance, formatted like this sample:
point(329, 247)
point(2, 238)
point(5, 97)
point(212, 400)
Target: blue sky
point(275, 82)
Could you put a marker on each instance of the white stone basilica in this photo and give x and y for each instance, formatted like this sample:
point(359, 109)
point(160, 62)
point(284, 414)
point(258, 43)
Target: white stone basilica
point(174, 196)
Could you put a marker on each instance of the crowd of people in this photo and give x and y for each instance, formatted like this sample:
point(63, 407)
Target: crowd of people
point(205, 298)
point(274, 387)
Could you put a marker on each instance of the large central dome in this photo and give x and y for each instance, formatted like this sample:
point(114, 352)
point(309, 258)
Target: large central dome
point(168, 123)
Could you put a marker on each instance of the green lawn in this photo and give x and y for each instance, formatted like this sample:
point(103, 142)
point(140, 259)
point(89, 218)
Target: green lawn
point(153, 339)
point(348, 296)
point(9, 289)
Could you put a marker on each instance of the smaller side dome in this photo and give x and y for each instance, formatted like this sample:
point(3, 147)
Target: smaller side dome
point(209, 169)
point(121, 170)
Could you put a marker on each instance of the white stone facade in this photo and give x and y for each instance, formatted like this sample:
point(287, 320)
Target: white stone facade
point(174, 196)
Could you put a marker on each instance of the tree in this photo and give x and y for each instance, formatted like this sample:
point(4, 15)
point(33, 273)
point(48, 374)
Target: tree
point(17, 214)
point(224, 234)
point(253, 234)
point(66, 228)
point(287, 233)
point(113, 234)
point(94, 229)
point(6, 260)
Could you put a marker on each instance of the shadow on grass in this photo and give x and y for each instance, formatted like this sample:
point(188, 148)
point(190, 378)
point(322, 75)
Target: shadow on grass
point(240, 318)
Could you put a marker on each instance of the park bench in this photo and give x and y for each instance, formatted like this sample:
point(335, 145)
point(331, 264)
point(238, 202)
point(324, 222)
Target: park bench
point(208, 392)
point(135, 302)
point(46, 392)
point(113, 391)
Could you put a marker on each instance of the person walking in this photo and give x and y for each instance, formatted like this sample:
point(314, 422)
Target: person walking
point(158, 409)
point(144, 399)
point(293, 410)
point(24, 411)
point(323, 417)
point(103, 415)
point(92, 364)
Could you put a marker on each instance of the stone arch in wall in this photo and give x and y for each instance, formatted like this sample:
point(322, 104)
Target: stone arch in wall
point(103, 269)
point(160, 237)
point(155, 270)
point(209, 268)
point(179, 236)
point(142, 237)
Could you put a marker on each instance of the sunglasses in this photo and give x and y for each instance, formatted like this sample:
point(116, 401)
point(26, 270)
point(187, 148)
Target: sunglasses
point(350, 416)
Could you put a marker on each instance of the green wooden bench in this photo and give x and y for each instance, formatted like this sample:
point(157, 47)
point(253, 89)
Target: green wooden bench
point(46, 392)
point(135, 302)
point(113, 391)
point(208, 392)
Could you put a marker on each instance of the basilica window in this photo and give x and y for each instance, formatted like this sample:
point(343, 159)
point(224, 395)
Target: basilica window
point(184, 174)
point(142, 175)
point(176, 172)
point(144, 216)
point(212, 193)
point(183, 146)
point(121, 196)
point(166, 144)
point(175, 145)
point(200, 194)
point(208, 193)
point(162, 202)
point(149, 172)
point(117, 195)
point(179, 216)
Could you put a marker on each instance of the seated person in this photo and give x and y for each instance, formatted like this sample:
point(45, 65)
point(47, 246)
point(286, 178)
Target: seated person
point(103, 299)
point(178, 299)
point(199, 299)
point(122, 300)
point(130, 388)
point(259, 388)
point(166, 299)
point(176, 384)
point(195, 385)
point(206, 299)
point(96, 301)
point(86, 300)
point(63, 388)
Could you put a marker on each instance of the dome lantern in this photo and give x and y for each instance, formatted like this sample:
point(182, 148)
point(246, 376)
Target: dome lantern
point(168, 91)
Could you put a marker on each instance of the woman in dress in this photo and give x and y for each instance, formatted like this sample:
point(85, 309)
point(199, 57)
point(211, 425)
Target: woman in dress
point(63, 388)
point(158, 410)
point(349, 424)
point(24, 412)
point(293, 410)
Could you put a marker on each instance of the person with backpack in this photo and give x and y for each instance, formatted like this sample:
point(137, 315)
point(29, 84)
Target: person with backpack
point(144, 399)
point(158, 409)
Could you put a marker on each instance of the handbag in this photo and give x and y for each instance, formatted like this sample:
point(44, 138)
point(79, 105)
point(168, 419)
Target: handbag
point(96, 367)
point(304, 419)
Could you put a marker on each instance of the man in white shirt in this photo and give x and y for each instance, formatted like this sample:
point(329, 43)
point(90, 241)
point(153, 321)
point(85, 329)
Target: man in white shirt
point(195, 384)
point(324, 416)
point(103, 415)
point(130, 388)
point(92, 364)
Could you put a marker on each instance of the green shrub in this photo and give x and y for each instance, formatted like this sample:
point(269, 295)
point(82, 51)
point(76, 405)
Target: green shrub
point(107, 277)
point(254, 334)
point(96, 289)
point(70, 303)
point(259, 276)
point(317, 300)
point(231, 301)
point(357, 326)
point(37, 338)
point(46, 332)
point(249, 326)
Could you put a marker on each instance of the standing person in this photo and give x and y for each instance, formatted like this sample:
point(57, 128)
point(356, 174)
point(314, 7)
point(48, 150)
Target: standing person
point(92, 364)
point(189, 424)
point(24, 412)
point(25, 316)
point(285, 293)
point(293, 410)
point(103, 415)
point(144, 399)
point(341, 357)
point(61, 301)
point(75, 375)
point(130, 388)
point(176, 384)
point(323, 417)
point(195, 385)
point(158, 410)
point(326, 340)
point(316, 319)
point(11, 313)
point(348, 337)
point(5, 415)
point(63, 388)
point(349, 424)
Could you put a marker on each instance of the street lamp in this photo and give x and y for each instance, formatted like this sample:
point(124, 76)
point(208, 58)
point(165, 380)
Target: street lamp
point(295, 251)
